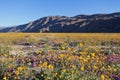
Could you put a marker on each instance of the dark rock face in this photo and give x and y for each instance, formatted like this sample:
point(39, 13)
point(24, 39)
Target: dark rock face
point(79, 23)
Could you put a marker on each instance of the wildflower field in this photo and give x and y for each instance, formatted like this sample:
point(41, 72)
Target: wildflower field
point(59, 56)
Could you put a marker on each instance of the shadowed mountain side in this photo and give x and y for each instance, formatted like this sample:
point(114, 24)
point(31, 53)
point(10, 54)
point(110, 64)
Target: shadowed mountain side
point(79, 23)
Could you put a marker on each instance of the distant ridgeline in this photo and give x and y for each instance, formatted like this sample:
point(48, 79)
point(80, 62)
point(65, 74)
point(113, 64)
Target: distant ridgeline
point(80, 23)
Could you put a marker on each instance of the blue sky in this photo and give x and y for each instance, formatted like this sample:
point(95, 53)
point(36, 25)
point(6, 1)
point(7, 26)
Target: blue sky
point(15, 12)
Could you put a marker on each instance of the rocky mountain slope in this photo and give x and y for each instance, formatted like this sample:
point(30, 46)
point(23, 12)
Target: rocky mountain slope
point(79, 23)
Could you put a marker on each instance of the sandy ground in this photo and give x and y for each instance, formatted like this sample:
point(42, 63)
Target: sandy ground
point(21, 49)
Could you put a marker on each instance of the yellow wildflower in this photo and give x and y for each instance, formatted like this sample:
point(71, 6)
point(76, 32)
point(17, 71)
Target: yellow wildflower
point(69, 58)
point(9, 66)
point(54, 74)
point(64, 70)
point(20, 68)
point(5, 55)
point(50, 67)
point(73, 66)
point(86, 49)
point(17, 72)
point(4, 78)
point(92, 54)
point(85, 60)
point(81, 44)
point(63, 48)
point(95, 67)
point(82, 68)
point(81, 57)
point(44, 65)
point(69, 49)
point(62, 55)
point(109, 67)
point(82, 53)
point(88, 56)
point(89, 66)
point(115, 69)
point(102, 77)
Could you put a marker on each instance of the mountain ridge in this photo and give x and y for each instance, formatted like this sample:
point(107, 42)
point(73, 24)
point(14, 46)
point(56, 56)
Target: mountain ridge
point(79, 23)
